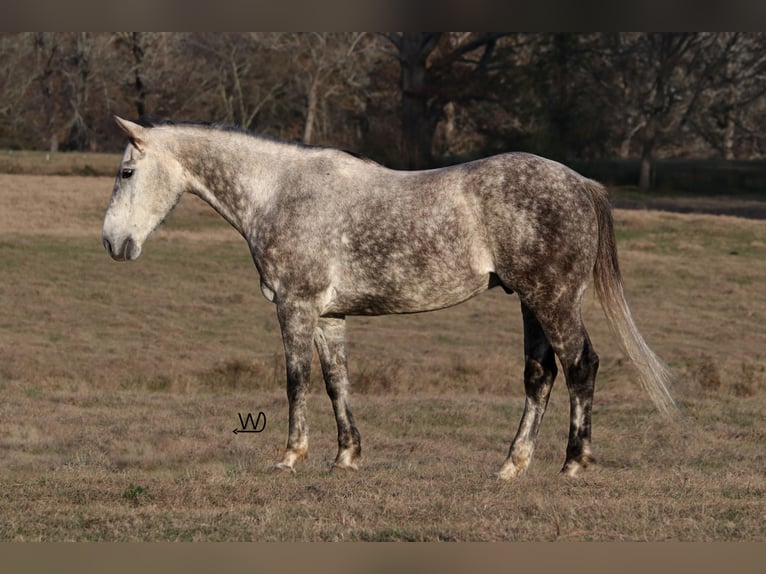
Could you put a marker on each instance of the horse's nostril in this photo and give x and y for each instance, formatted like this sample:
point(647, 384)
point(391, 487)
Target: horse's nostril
point(127, 249)
point(120, 251)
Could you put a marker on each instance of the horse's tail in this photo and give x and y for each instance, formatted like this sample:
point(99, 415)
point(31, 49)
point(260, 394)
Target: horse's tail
point(654, 375)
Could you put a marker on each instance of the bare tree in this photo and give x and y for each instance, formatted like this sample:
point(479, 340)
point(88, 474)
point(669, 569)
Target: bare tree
point(651, 83)
point(436, 69)
point(670, 91)
point(48, 54)
point(418, 118)
point(16, 82)
point(331, 64)
point(240, 71)
point(64, 71)
point(431, 95)
point(727, 112)
point(78, 72)
point(144, 52)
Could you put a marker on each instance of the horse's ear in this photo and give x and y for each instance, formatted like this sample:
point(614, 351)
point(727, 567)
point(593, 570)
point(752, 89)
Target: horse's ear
point(134, 131)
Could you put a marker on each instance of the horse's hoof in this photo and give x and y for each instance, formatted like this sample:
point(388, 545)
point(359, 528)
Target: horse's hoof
point(573, 468)
point(510, 470)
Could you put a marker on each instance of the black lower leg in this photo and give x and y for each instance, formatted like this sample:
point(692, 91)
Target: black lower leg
point(581, 377)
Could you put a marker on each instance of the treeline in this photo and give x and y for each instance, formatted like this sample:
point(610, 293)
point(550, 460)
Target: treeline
point(405, 99)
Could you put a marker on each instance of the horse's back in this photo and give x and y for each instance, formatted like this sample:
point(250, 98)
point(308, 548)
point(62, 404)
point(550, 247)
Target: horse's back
point(376, 241)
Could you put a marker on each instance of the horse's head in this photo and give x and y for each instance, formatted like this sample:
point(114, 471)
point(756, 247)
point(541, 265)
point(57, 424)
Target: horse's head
point(148, 185)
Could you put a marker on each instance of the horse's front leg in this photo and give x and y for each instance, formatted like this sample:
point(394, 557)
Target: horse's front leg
point(330, 340)
point(297, 321)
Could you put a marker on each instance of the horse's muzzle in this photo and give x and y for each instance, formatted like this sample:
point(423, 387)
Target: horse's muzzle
point(123, 252)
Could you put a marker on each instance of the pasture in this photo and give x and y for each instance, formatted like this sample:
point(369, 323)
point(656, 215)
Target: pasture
point(121, 385)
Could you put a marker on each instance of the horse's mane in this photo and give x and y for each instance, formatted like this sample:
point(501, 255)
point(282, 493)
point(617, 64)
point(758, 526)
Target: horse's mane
point(148, 121)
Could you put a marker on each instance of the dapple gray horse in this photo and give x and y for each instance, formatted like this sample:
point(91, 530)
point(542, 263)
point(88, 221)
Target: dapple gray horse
point(333, 234)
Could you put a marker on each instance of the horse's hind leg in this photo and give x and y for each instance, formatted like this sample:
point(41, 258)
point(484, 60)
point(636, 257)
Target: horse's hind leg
point(580, 367)
point(564, 327)
point(539, 373)
point(330, 341)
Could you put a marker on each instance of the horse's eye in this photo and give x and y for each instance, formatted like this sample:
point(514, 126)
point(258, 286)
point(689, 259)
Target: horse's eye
point(126, 173)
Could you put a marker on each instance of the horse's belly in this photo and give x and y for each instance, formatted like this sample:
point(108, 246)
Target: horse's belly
point(410, 294)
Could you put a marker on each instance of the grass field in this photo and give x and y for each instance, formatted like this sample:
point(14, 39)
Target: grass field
point(121, 385)
point(58, 163)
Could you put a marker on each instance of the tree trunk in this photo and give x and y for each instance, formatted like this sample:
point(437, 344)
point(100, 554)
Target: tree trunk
point(645, 176)
point(48, 61)
point(417, 124)
point(138, 84)
point(559, 106)
point(311, 110)
point(728, 136)
point(731, 106)
point(624, 150)
point(627, 140)
point(646, 172)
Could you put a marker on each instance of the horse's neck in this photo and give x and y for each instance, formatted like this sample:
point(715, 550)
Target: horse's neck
point(226, 174)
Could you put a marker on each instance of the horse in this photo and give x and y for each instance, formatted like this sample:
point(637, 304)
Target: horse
point(333, 234)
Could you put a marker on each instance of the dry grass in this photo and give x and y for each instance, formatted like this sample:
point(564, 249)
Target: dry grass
point(121, 385)
point(59, 163)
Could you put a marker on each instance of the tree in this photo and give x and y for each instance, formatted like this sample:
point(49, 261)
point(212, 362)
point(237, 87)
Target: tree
point(671, 91)
point(436, 69)
point(556, 94)
point(16, 59)
point(427, 97)
point(49, 63)
point(65, 71)
point(652, 82)
point(729, 112)
point(143, 56)
point(232, 76)
point(78, 72)
point(327, 66)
